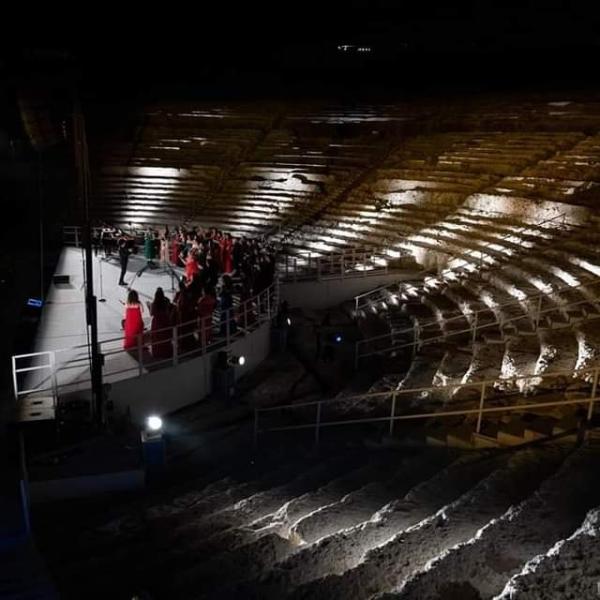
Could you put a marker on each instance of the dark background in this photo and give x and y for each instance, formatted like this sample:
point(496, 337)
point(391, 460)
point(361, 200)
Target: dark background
point(259, 49)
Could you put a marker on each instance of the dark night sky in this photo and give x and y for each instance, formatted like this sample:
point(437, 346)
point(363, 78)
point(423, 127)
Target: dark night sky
point(413, 43)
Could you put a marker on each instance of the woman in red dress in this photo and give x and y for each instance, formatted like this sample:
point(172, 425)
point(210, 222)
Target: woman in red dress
point(215, 253)
point(133, 322)
point(161, 311)
point(205, 309)
point(192, 268)
point(227, 253)
point(186, 313)
point(175, 250)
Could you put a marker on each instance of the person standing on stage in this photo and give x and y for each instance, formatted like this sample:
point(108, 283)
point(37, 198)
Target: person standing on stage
point(133, 322)
point(191, 266)
point(161, 311)
point(205, 308)
point(123, 258)
point(227, 253)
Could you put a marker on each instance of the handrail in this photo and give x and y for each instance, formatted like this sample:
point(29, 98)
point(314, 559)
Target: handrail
point(340, 264)
point(482, 386)
point(473, 329)
point(76, 234)
point(510, 303)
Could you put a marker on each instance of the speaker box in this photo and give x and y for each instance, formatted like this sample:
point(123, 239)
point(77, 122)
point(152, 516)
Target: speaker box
point(60, 279)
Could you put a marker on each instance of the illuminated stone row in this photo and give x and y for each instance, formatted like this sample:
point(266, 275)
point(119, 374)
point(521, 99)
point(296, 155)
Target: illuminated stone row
point(512, 340)
point(355, 524)
point(425, 179)
point(284, 182)
point(233, 169)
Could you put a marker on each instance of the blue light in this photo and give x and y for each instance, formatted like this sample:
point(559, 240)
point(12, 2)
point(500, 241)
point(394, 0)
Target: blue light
point(338, 338)
point(35, 302)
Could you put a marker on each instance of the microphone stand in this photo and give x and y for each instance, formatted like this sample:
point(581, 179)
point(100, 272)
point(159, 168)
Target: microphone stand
point(102, 298)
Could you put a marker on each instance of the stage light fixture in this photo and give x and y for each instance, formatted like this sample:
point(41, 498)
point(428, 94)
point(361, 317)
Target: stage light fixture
point(289, 322)
point(154, 423)
point(237, 361)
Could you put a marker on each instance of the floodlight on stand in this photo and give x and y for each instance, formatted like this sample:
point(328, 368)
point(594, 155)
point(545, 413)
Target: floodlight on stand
point(154, 423)
point(153, 444)
point(236, 361)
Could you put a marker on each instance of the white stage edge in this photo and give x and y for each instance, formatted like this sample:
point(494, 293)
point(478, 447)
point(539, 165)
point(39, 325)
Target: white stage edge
point(62, 326)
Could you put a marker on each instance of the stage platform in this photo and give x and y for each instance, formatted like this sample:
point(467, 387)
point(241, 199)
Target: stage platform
point(62, 326)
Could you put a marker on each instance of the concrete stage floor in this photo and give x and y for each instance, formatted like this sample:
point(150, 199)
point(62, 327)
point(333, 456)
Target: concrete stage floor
point(62, 324)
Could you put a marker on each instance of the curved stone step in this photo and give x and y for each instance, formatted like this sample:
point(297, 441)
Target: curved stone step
point(559, 351)
point(504, 546)
point(362, 503)
point(569, 568)
point(345, 545)
point(258, 505)
point(486, 365)
point(248, 550)
point(520, 359)
point(388, 566)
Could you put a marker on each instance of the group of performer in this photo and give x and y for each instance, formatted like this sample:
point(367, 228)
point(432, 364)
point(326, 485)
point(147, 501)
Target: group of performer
point(217, 266)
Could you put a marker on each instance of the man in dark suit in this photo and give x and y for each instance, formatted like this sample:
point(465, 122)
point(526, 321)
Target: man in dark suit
point(123, 258)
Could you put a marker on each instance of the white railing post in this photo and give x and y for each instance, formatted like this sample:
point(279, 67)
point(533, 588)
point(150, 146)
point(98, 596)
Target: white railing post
point(140, 354)
point(593, 397)
point(175, 343)
point(481, 402)
point(15, 379)
point(52, 362)
point(393, 412)
point(318, 423)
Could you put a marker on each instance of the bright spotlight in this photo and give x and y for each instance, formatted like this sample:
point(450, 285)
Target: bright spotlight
point(338, 338)
point(154, 423)
point(242, 361)
point(237, 361)
point(289, 322)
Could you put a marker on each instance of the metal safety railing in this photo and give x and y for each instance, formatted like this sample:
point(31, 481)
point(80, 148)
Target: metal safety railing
point(68, 368)
point(486, 405)
point(334, 265)
point(35, 357)
point(477, 322)
point(73, 235)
